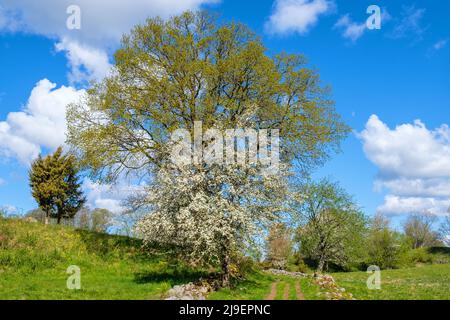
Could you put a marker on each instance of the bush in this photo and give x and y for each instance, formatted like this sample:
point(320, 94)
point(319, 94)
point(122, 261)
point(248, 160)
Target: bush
point(416, 256)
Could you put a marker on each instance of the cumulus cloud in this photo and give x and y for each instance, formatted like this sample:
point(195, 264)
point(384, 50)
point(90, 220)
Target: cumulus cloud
point(297, 16)
point(86, 63)
point(42, 123)
point(102, 21)
point(350, 30)
point(413, 163)
point(407, 205)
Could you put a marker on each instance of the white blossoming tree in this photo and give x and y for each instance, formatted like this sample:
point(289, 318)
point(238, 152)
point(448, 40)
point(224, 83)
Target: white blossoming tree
point(208, 215)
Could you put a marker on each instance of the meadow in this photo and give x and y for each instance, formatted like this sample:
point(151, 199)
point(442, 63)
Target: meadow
point(34, 259)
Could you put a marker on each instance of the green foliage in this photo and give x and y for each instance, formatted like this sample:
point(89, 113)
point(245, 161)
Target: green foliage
point(189, 68)
point(55, 185)
point(332, 228)
point(384, 246)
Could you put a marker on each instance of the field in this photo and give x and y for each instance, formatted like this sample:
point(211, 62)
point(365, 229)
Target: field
point(419, 283)
point(34, 259)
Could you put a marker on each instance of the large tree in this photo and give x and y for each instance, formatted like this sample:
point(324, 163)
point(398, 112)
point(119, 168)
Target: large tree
point(55, 185)
point(170, 74)
point(332, 227)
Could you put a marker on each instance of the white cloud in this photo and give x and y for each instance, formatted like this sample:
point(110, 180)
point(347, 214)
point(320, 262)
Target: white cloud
point(417, 205)
point(350, 30)
point(413, 163)
point(102, 21)
point(42, 123)
point(86, 63)
point(410, 150)
point(354, 30)
point(297, 16)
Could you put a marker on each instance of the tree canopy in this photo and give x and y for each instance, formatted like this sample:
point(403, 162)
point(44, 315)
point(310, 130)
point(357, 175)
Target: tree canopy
point(55, 185)
point(332, 227)
point(169, 74)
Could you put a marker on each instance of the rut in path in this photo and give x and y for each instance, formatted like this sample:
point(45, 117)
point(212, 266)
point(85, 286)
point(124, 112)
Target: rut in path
point(273, 291)
point(299, 292)
point(286, 291)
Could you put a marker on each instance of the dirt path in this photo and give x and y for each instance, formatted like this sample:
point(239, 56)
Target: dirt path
point(273, 291)
point(286, 291)
point(299, 292)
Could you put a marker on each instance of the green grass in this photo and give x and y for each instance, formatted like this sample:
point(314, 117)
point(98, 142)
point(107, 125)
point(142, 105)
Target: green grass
point(34, 259)
point(428, 282)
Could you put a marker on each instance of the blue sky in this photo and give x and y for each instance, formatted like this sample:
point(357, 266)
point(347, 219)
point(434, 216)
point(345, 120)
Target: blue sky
point(400, 73)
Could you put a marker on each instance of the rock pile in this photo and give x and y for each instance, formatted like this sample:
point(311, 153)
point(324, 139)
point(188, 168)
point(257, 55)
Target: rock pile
point(188, 291)
point(287, 273)
point(331, 290)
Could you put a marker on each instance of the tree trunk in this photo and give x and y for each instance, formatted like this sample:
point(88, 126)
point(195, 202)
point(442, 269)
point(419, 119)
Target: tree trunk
point(226, 271)
point(59, 219)
point(321, 265)
point(47, 218)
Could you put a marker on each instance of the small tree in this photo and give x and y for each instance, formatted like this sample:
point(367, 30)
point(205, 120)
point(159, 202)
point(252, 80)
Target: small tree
point(383, 244)
point(444, 231)
point(332, 227)
point(100, 220)
point(55, 185)
point(419, 229)
point(279, 245)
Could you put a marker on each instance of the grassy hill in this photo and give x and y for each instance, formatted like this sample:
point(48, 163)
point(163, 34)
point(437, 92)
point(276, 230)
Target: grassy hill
point(34, 259)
